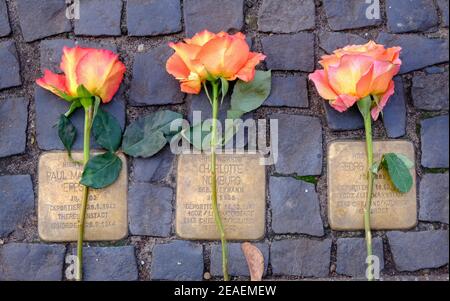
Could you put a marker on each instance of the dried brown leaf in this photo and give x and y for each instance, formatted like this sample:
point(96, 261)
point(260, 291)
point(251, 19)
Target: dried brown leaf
point(255, 261)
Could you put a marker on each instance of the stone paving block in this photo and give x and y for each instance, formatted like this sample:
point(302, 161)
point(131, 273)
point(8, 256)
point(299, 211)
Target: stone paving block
point(151, 18)
point(430, 91)
point(443, 9)
point(31, 262)
point(352, 253)
point(99, 18)
point(413, 251)
point(237, 264)
point(348, 14)
point(9, 65)
point(16, 202)
point(177, 260)
point(411, 15)
point(286, 16)
point(40, 19)
point(300, 257)
point(348, 120)
point(51, 51)
point(434, 137)
point(394, 113)
point(154, 169)
point(212, 15)
point(156, 202)
point(5, 28)
point(295, 207)
point(156, 87)
point(434, 199)
point(48, 109)
point(330, 41)
point(13, 126)
point(289, 52)
point(300, 151)
point(417, 51)
point(291, 91)
point(109, 264)
point(434, 70)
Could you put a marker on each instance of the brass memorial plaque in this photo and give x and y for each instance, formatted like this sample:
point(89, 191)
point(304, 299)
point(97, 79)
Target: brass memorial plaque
point(60, 199)
point(241, 183)
point(347, 188)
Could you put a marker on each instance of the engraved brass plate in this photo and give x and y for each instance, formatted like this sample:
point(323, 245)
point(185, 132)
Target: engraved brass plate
point(241, 183)
point(347, 188)
point(60, 198)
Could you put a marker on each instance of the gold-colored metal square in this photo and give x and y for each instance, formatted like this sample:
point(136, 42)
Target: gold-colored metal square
point(241, 182)
point(59, 199)
point(347, 188)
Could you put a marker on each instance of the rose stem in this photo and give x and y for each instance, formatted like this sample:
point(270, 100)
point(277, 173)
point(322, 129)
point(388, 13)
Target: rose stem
point(215, 110)
point(364, 107)
point(86, 152)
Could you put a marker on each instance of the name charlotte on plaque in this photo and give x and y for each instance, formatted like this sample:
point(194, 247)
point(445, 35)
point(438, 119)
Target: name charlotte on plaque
point(241, 182)
point(60, 199)
point(347, 188)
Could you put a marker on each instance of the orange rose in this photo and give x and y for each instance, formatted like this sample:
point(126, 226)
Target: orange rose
point(98, 70)
point(356, 71)
point(209, 56)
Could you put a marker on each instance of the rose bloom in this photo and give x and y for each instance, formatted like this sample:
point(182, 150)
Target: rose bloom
point(209, 56)
point(98, 70)
point(356, 71)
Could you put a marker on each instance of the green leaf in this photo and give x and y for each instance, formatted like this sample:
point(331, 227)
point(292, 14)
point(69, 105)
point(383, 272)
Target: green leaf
point(249, 96)
point(73, 106)
point(375, 168)
point(307, 179)
point(198, 137)
point(409, 164)
point(398, 172)
point(148, 135)
point(66, 132)
point(224, 86)
point(101, 170)
point(107, 131)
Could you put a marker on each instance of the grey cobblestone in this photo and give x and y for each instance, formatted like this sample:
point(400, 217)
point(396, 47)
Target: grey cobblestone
point(5, 28)
point(394, 113)
point(443, 8)
point(348, 120)
point(434, 136)
point(348, 14)
point(153, 169)
point(430, 92)
point(13, 126)
point(9, 65)
point(288, 91)
point(329, 41)
point(411, 15)
point(99, 18)
point(433, 198)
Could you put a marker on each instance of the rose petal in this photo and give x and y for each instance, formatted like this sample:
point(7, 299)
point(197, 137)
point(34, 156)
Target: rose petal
point(383, 101)
point(55, 83)
point(323, 87)
point(69, 62)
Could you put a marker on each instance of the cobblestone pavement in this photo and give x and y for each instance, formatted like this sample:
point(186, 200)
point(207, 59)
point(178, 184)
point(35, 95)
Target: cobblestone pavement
point(293, 34)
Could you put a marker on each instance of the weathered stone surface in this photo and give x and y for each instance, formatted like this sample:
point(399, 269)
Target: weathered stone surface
point(348, 120)
point(177, 260)
point(330, 41)
point(443, 8)
point(48, 109)
point(295, 207)
point(237, 264)
point(154, 169)
point(99, 18)
point(156, 87)
point(208, 14)
point(434, 137)
point(348, 14)
point(289, 52)
point(9, 65)
point(17, 202)
point(411, 15)
point(31, 262)
point(301, 257)
point(430, 92)
point(13, 126)
point(351, 256)
point(434, 70)
point(291, 91)
point(156, 202)
point(417, 51)
point(286, 16)
point(303, 158)
point(51, 51)
point(5, 28)
point(413, 251)
point(109, 264)
point(434, 198)
point(394, 113)
point(40, 19)
point(150, 18)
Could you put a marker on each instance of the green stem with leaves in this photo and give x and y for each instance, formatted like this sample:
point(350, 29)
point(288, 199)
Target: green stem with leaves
point(218, 220)
point(364, 106)
point(81, 224)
